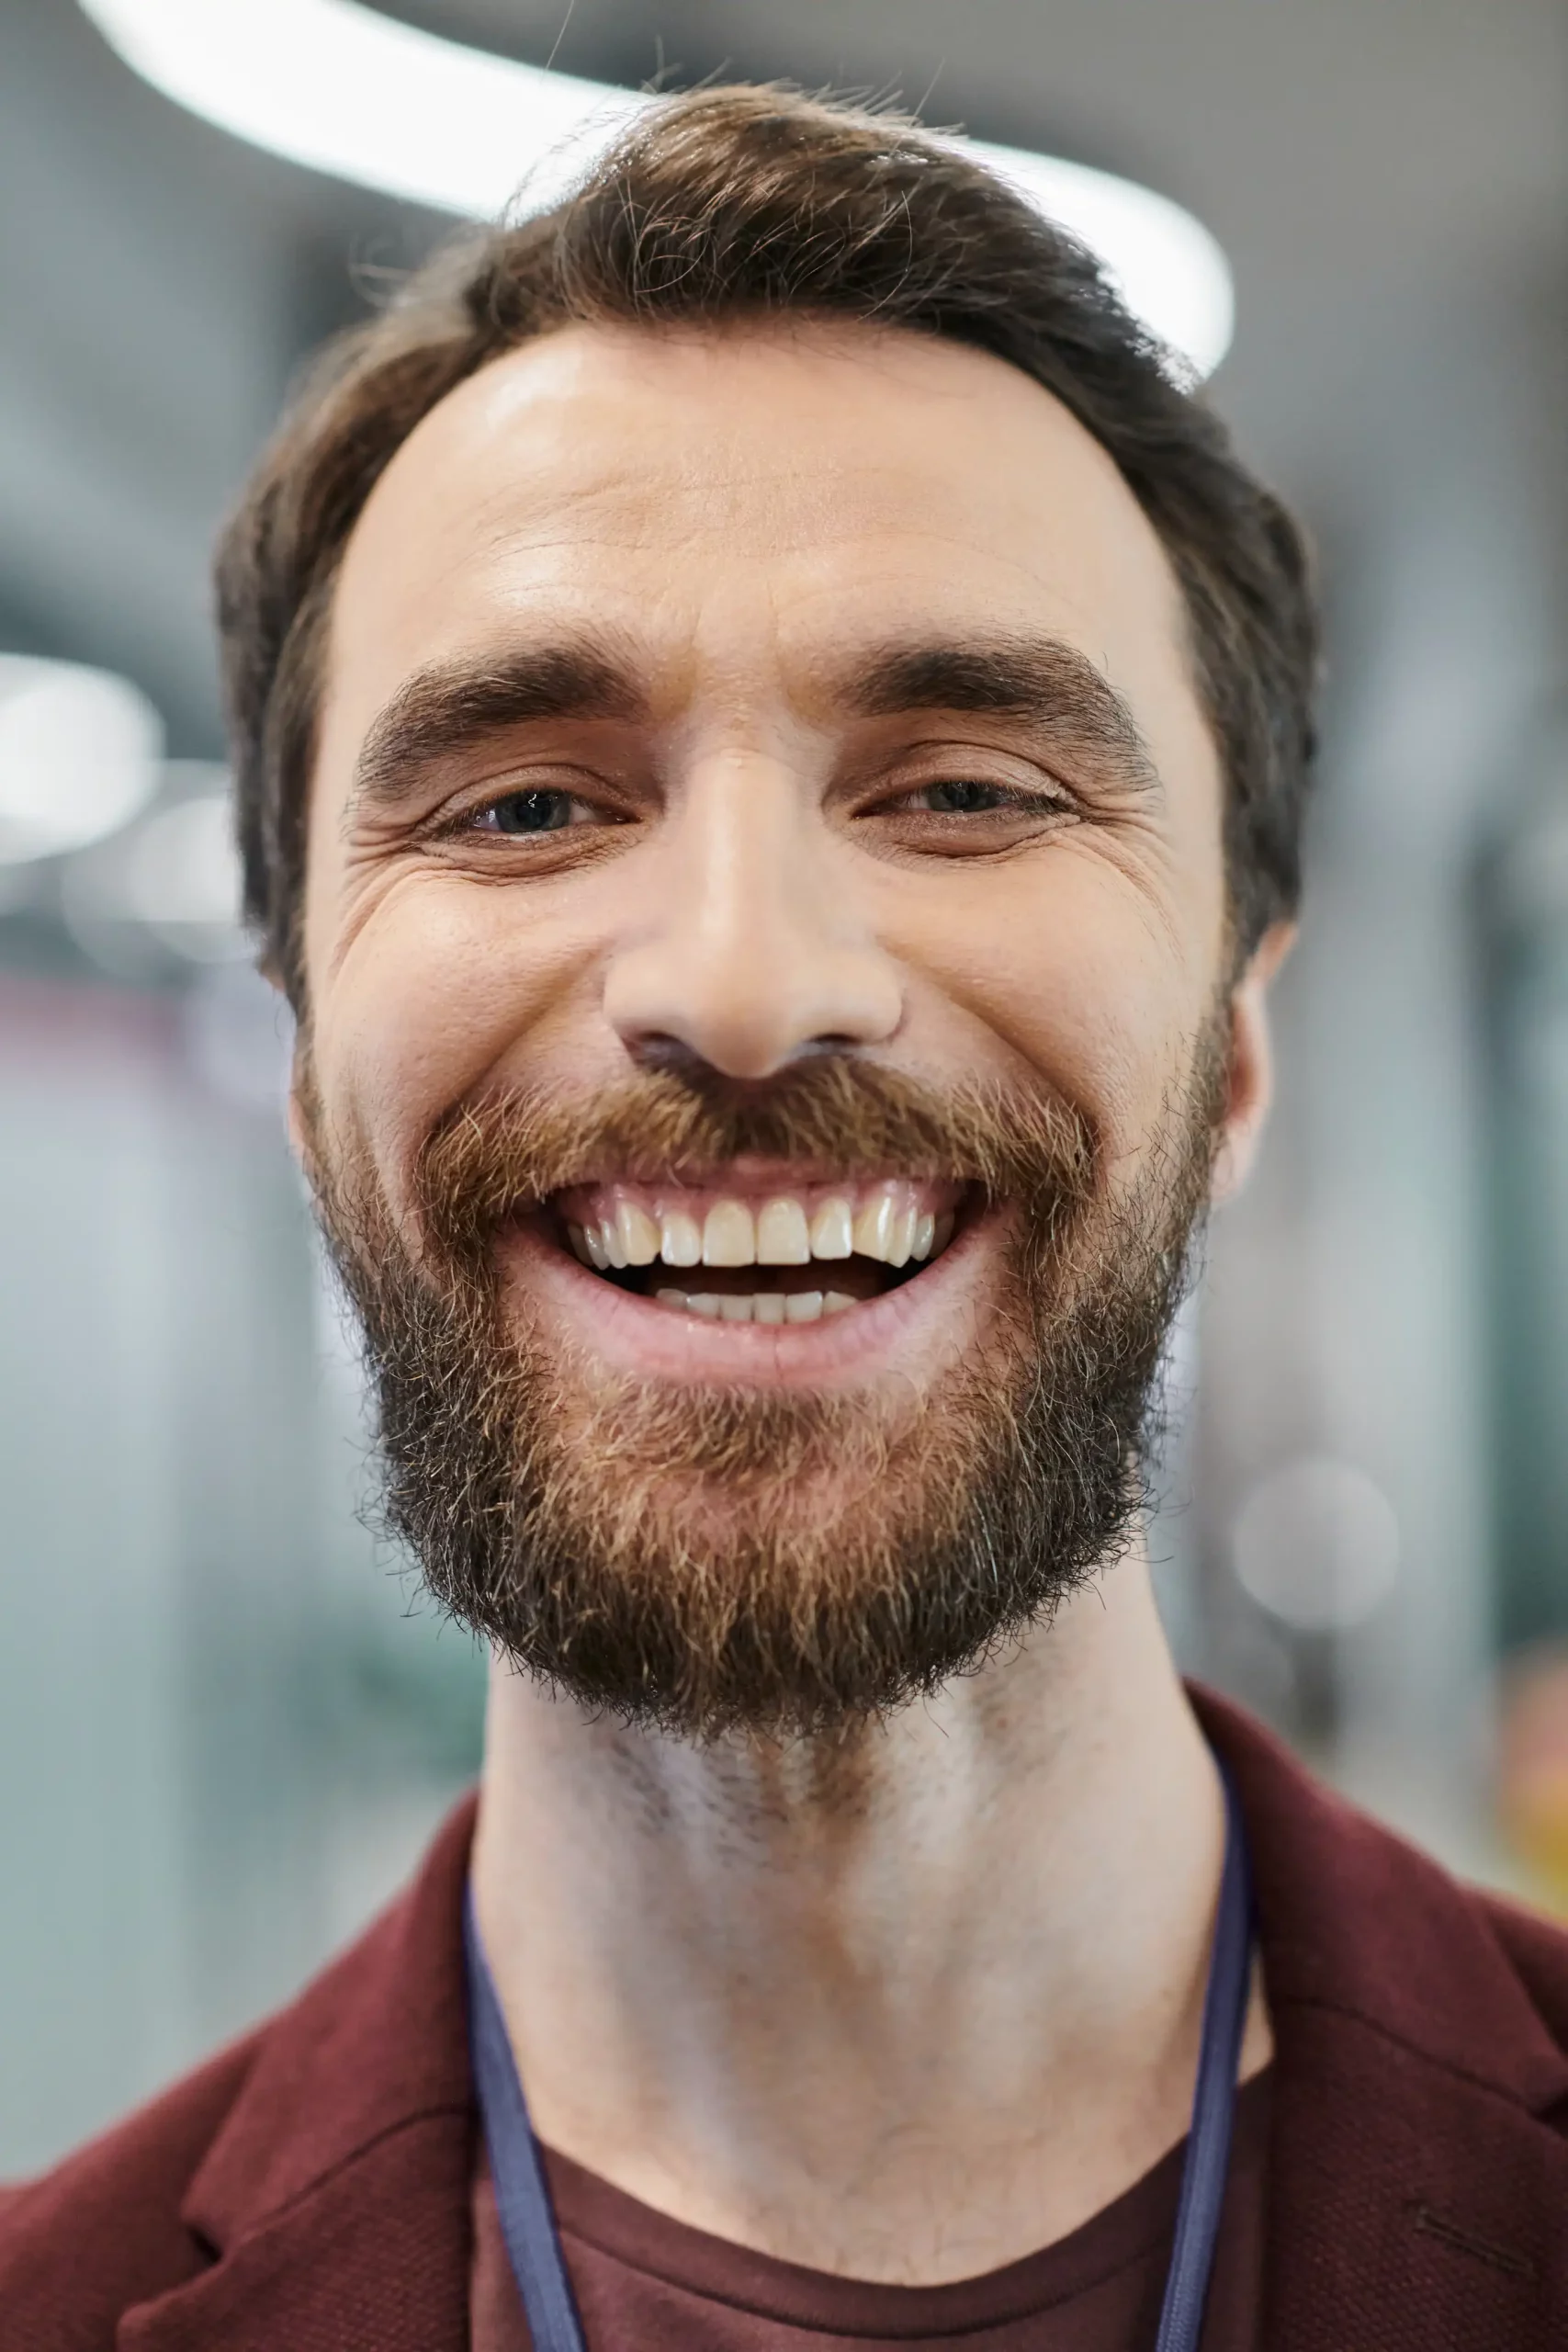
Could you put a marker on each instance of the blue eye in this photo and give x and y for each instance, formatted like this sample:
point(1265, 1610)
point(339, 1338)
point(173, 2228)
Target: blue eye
point(532, 812)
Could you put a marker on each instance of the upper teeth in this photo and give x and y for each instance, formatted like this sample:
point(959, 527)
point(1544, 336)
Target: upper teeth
point(883, 1221)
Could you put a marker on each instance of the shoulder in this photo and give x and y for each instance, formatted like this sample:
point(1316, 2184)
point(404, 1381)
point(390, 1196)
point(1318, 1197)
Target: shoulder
point(103, 2230)
point(1355, 1922)
point(1537, 1950)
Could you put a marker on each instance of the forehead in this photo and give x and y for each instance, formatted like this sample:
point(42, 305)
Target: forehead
point(738, 502)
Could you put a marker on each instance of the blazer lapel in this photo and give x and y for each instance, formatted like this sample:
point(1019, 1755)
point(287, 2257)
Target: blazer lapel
point(376, 2255)
point(336, 2195)
point(1406, 2204)
point(1417, 2183)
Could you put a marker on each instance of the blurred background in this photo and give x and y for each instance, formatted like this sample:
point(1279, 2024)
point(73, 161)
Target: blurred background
point(226, 1721)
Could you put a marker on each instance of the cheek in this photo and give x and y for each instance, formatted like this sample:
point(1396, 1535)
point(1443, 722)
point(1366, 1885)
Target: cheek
point(1069, 972)
point(442, 988)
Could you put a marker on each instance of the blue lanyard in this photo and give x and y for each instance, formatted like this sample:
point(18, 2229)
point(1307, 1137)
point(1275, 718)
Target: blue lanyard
point(527, 2218)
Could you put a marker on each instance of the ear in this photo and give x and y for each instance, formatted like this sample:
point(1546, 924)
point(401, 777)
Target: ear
point(296, 1119)
point(298, 1142)
point(1250, 1074)
point(300, 1092)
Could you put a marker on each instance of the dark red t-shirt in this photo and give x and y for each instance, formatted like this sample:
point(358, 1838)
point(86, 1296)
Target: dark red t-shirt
point(647, 2284)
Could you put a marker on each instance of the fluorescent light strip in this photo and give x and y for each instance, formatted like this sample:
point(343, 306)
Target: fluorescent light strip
point(347, 90)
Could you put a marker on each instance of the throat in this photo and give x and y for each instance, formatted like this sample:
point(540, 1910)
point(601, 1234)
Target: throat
point(868, 2006)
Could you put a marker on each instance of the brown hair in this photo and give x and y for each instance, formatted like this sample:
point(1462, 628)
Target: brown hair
point(747, 201)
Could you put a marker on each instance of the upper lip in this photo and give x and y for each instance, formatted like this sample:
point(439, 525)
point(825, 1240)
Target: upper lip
point(752, 1175)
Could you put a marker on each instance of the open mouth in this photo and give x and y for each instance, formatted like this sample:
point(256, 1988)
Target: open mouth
point(782, 1255)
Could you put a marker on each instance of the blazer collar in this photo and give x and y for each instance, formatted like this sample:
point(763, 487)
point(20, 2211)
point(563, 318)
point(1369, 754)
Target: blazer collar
point(1416, 2191)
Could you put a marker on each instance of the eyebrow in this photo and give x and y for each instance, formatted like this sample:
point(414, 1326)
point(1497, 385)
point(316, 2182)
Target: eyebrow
point(1042, 681)
point(449, 707)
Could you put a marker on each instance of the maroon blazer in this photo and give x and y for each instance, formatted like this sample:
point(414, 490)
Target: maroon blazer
point(308, 2190)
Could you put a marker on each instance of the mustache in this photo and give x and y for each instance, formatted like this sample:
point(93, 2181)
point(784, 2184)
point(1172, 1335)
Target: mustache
point(504, 1152)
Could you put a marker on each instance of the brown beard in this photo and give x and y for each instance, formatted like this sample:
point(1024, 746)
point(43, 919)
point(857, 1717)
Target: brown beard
point(713, 1559)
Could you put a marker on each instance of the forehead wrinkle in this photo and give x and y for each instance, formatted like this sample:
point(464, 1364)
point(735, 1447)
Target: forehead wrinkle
point(563, 498)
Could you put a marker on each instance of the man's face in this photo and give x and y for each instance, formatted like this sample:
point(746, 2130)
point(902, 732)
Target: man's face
point(764, 937)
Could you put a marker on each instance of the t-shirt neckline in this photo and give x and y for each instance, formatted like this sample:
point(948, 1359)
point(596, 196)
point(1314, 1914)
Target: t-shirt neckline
point(1135, 2224)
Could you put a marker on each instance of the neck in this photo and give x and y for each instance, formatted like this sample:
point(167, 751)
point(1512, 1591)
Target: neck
point(905, 2007)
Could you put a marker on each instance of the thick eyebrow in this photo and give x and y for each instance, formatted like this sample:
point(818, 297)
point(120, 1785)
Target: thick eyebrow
point(1043, 681)
point(450, 707)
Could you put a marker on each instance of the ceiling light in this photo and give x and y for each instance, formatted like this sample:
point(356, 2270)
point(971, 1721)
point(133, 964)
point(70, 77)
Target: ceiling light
point(79, 756)
point(182, 877)
point(1316, 1543)
point(344, 90)
point(169, 883)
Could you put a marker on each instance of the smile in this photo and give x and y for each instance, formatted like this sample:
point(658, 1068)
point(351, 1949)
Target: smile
point(776, 1254)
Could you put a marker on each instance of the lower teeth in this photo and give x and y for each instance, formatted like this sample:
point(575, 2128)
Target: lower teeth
point(757, 1307)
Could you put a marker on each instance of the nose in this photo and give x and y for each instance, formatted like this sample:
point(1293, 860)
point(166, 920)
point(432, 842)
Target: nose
point(754, 953)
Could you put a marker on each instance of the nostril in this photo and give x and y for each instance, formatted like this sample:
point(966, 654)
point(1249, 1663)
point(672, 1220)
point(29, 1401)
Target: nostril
point(657, 1050)
point(658, 1053)
point(751, 1012)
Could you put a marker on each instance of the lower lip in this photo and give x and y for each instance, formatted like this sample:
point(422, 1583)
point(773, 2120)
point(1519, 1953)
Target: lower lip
point(916, 1326)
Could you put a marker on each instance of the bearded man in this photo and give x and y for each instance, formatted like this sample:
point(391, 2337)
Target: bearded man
point(771, 736)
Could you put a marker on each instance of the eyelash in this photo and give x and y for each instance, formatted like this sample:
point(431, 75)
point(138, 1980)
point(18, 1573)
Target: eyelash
point(1002, 798)
point(471, 820)
point(1006, 798)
